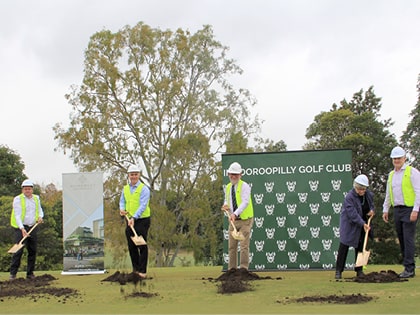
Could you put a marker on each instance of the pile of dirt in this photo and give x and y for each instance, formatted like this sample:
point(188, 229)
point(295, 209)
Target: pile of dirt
point(237, 280)
point(333, 299)
point(36, 288)
point(123, 278)
point(240, 274)
point(379, 277)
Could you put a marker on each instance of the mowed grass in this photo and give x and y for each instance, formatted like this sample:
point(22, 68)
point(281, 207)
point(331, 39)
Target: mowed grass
point(187, 290)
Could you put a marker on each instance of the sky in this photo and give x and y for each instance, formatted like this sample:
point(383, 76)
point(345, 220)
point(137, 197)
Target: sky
point(298, 56)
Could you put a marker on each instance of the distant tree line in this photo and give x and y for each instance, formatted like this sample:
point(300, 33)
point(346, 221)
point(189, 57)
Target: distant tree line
point(163, 100)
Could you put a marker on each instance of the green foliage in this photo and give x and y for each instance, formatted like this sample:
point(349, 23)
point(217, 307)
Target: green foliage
point(411, 136)
point(50, 243)
point(355, 125)
point(160, 99)
point(11, 172)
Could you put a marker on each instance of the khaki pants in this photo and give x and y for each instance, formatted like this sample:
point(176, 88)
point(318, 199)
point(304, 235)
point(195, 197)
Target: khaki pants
point(243, 226)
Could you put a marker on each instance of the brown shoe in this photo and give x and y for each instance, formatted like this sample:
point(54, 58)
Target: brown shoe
point(142, 275)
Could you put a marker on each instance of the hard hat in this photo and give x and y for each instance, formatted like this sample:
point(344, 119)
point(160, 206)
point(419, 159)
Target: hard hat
point(133, 169)
point(362, 180)
point(397, 152)
point(27, 183)
point(235, 168)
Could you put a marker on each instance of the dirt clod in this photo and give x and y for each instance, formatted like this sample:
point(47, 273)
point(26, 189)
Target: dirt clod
point(379, 277)
point(236, 281)
point(124, 278)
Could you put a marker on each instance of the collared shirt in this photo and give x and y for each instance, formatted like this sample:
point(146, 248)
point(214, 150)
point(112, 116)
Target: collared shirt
point(144, 199)
point(29, 218)
point(245, 196)
point(397, 189)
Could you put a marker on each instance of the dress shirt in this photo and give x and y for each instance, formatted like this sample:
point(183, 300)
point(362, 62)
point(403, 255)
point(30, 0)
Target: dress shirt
point(245, 196)
point(144, 199)
point(397, 189)
point(29, 218)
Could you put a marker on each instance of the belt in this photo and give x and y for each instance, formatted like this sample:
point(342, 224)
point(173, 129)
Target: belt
point(239, 218)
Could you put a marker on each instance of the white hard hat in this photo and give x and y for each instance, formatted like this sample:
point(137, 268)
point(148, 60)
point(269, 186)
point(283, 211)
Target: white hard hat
point(397, 152)
point(133, 169)
point(27, 183)
point(235, 168)
point(362, 180)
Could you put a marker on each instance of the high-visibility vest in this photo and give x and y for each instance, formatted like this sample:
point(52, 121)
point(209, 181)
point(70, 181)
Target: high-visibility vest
point(249, 210)
point(132, 201)
point(23, 206)
point(407, 188)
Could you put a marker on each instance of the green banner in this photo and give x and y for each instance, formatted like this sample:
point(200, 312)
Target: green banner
point(297, 198)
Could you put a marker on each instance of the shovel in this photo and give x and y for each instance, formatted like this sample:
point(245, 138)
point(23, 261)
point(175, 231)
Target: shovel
point(17, 247)
point(363, 257)
point(138, 240)
point(235, 234)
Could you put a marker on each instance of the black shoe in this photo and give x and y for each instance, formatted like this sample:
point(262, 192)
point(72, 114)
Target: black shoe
point(338, 275)
point(359, 273)
point(32, 276)
point(407, 274)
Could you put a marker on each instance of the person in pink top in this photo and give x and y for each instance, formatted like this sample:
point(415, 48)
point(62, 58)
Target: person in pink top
point(403, 195)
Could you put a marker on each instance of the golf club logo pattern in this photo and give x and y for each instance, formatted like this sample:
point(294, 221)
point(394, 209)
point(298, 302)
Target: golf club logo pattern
point(297, 212)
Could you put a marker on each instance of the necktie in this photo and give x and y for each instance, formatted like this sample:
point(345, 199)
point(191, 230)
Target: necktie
point(234, 204)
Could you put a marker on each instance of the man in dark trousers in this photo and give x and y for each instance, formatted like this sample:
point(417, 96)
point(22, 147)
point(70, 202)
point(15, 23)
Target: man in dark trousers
point(26, 212)
point(134, 202)
point(403, 194)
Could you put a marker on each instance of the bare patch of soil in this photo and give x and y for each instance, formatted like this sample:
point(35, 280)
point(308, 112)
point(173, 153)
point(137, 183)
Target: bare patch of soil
point(123, 278)
point(372, 277)
point(36, 289)
point(333, 299)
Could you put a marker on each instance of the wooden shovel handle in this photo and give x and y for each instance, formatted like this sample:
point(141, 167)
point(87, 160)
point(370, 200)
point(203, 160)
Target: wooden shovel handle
point(233, 224)
point(367, 234)
point(132, 227)
point(28, 233)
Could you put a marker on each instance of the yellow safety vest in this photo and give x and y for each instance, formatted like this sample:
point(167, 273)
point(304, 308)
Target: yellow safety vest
point(249, 210)
point(132, 201)
point(407, 188)
point(23, 206)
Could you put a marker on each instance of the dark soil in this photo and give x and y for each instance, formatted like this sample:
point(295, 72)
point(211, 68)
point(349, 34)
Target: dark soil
point(37, 288)
point(372, 277)
point(379, 277)
point(333, 299)
point(237, 280)
point(124, 278)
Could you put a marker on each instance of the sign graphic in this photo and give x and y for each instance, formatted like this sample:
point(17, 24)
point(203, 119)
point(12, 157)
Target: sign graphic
point(297, 198)
point(83, 223)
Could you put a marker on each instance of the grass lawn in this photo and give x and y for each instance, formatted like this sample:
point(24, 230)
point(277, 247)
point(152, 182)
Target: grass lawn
point(187, 290)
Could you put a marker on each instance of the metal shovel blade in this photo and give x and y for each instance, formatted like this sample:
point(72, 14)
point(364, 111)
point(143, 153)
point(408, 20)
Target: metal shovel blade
point(362, 258)
point(15, 248)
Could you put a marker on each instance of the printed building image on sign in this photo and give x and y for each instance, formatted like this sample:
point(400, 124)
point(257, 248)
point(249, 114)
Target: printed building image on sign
point(297, 198)
point(83, 223)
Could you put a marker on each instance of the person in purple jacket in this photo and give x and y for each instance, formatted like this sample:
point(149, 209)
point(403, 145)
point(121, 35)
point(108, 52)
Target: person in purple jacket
point(357, 207)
